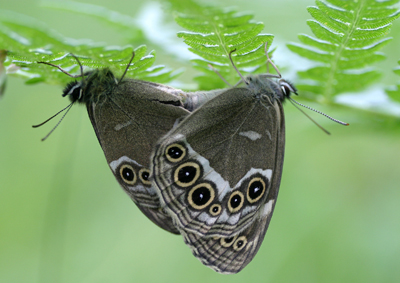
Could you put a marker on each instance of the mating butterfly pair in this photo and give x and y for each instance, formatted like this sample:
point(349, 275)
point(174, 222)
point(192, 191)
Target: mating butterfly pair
point(206, 165)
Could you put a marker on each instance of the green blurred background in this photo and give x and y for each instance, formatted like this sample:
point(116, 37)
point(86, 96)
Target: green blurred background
point(63, 217)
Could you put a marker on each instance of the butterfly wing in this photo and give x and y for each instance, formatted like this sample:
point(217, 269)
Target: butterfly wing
point(214, 171)
point(128, 122)
point(231, 255)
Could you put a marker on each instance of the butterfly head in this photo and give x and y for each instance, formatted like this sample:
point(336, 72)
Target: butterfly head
point(92, 86)
point(266, 84)
point(73, 90)
point(287, 88)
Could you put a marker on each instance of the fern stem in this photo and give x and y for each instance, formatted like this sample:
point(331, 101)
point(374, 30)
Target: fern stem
point(329, 89)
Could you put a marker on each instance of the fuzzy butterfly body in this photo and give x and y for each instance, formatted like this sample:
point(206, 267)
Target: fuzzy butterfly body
point(219, 179)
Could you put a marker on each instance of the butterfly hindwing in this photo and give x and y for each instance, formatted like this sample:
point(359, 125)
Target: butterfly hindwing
point(230, 255)
point(128, 121)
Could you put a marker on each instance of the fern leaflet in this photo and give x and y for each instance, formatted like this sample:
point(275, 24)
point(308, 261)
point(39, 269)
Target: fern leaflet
point(212, 33)
point(3, 76)
point(394, 92)
point(28, 41)
point(348, 37)
point(124, 23)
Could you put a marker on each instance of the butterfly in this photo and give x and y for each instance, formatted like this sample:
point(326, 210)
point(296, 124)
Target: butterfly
point(218, 172)
point(128, 117)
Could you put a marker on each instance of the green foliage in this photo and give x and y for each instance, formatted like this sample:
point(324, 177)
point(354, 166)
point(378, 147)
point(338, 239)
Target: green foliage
point(124, 23)
point(348, 37)
point(213, 33)
point(64, 220)
point(394, 92)
point(28, 41)
point(3, 76)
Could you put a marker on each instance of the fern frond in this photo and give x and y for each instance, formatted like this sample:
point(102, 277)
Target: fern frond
point(28, 41)
point(3, 76)
point(394, 92)
point(348, 38)
point(212, 33)
point(126, 24)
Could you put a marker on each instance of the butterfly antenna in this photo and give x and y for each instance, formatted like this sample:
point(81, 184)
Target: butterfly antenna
point(70, 105)
point(52, 130)
point(41, 124)
point(269, 61)
point(319, 112)
point(80, 65)
point(294, 102)
point(236, 69)
point(127, 67)
point(301, 110)
point(65, 72)
point(81, 75)
point(81, 69)
point(219, 75)
point(61, 69)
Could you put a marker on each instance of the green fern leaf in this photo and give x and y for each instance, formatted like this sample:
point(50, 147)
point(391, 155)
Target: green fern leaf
point(348, 38)
point(394, 92)
point(125, 24)
point(3, 76)
point(212, 33)
point(28, 41)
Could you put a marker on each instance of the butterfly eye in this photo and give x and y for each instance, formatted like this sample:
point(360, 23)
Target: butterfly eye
point(285, 90)
point(256, 189)
point(201, 196)
point(128, 174)
point(215, 209)
point(175, 152)
point(73, 90)
point(235, 202)
point(240, 243)
point(287, 87)
point(144, 175)
point(187, 174)
point(227, 242)
point(80, 94)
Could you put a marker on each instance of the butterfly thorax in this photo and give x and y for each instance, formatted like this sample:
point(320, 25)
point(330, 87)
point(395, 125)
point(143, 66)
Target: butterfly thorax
point(95, 86)
point(265, 87)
